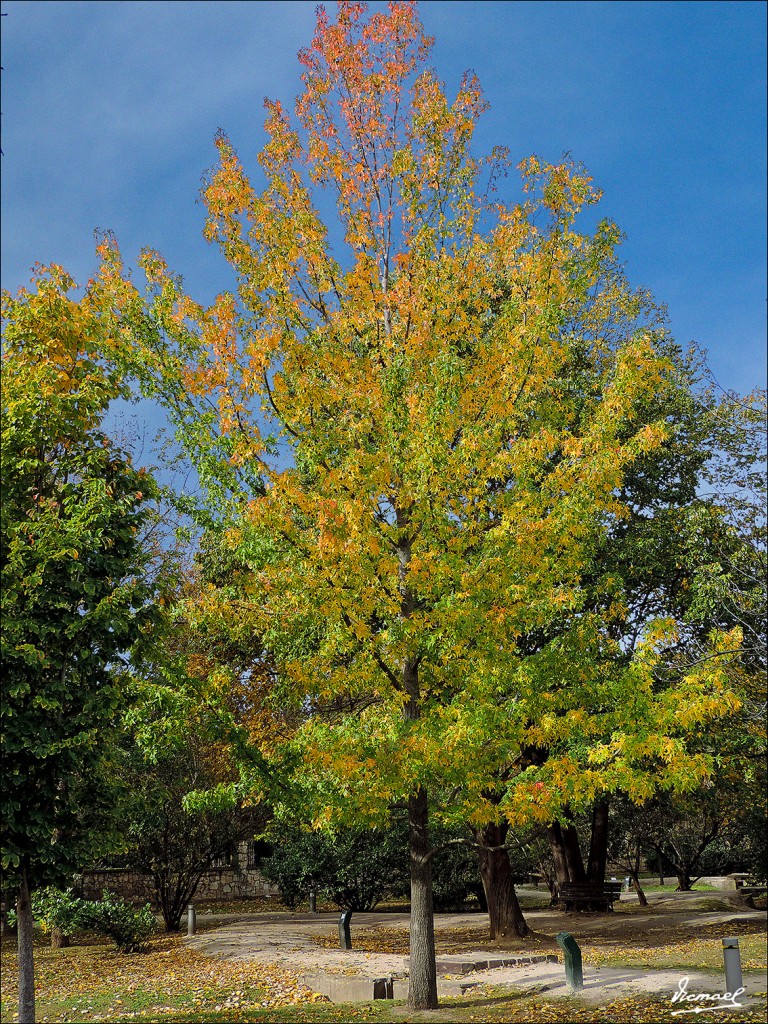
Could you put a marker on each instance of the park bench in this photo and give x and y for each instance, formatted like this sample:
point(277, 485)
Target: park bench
point(591, 895)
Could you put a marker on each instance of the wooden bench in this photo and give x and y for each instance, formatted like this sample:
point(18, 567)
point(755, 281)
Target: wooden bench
point(590, 895)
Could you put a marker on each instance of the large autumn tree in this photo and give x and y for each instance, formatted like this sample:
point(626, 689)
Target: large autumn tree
point(414, 422)
point(74, 591)
point(689, 522)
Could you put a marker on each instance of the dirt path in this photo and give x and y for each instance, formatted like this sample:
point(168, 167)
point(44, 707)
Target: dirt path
point(292, 941)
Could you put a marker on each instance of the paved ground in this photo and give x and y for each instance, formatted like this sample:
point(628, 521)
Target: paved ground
point(285, 939)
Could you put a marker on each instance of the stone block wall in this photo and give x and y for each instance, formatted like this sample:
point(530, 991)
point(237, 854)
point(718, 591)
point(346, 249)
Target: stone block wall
point(237, 881)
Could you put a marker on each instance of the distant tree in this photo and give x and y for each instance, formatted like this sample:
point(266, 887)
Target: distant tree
point(357, 868)
point(354, 868)
point(690, 550)
point(629, 840)
point(184, 808)
point(75, 599)
point(175, 841)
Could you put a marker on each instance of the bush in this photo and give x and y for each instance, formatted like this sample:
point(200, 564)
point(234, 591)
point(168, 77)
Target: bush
point(57, 908)
point(128, 927)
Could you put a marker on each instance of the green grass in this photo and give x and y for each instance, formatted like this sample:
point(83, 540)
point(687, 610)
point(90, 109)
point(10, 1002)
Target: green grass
point(699, 887)
point(321, 1012)
point(109, 1004)
point(491, 1007)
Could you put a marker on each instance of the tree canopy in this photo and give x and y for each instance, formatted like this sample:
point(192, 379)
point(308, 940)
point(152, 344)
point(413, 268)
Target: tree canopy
point(415, 421)
point(75, 597)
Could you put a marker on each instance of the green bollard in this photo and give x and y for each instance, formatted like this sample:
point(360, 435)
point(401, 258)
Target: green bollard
point(574, 975)
point(345, 938)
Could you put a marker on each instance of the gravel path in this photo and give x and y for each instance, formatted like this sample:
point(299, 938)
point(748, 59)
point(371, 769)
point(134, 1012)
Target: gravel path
point(286, 940)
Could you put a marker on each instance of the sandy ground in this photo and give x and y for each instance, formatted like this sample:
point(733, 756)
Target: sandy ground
point(286, 940)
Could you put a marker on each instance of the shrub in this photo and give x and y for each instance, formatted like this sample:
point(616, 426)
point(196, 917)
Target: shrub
point(128, 927)
point(57, 908)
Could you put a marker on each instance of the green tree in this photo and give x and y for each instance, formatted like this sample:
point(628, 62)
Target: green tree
point(355, 868)
point(75, 598)
point(195, 707)
point(173, 840)
point(689, 549)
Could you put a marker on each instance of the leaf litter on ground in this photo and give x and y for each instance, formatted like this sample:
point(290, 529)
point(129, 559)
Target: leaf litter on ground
point(95, 982)
point(667, 948)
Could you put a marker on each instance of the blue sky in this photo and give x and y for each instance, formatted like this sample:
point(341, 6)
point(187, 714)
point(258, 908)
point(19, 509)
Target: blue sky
point(110, 108)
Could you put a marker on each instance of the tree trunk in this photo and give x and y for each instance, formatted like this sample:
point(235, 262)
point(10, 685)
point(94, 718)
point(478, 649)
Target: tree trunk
point(684, 881)
point(598, 843)
point(505, 915)
point(59, 939)
point(422, 988)
point(566, 852)
point(639, 890)
point(555, 836)
point(576, 872)
point(634, 873)
point(26, 957)
point(174, 891)
point(551, 883)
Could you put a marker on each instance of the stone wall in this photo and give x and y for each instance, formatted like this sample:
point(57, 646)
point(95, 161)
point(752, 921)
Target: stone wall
point(216, 884)
point(230, 882)
point(131, 885)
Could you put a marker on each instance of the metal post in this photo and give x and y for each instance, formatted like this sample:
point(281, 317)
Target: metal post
point(574, 975)
point(313, 902)
point(732, 961)
point(191, 920)
point(382, 988)
point(345, 939)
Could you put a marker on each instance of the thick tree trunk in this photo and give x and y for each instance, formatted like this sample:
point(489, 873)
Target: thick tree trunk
point(505, 915)
point(598, 844)
point(566, 852)
point(573, 858)
point(59, 939)
point(555, 836)
point(684, 880)
point(422, 989)
point(26, 958)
